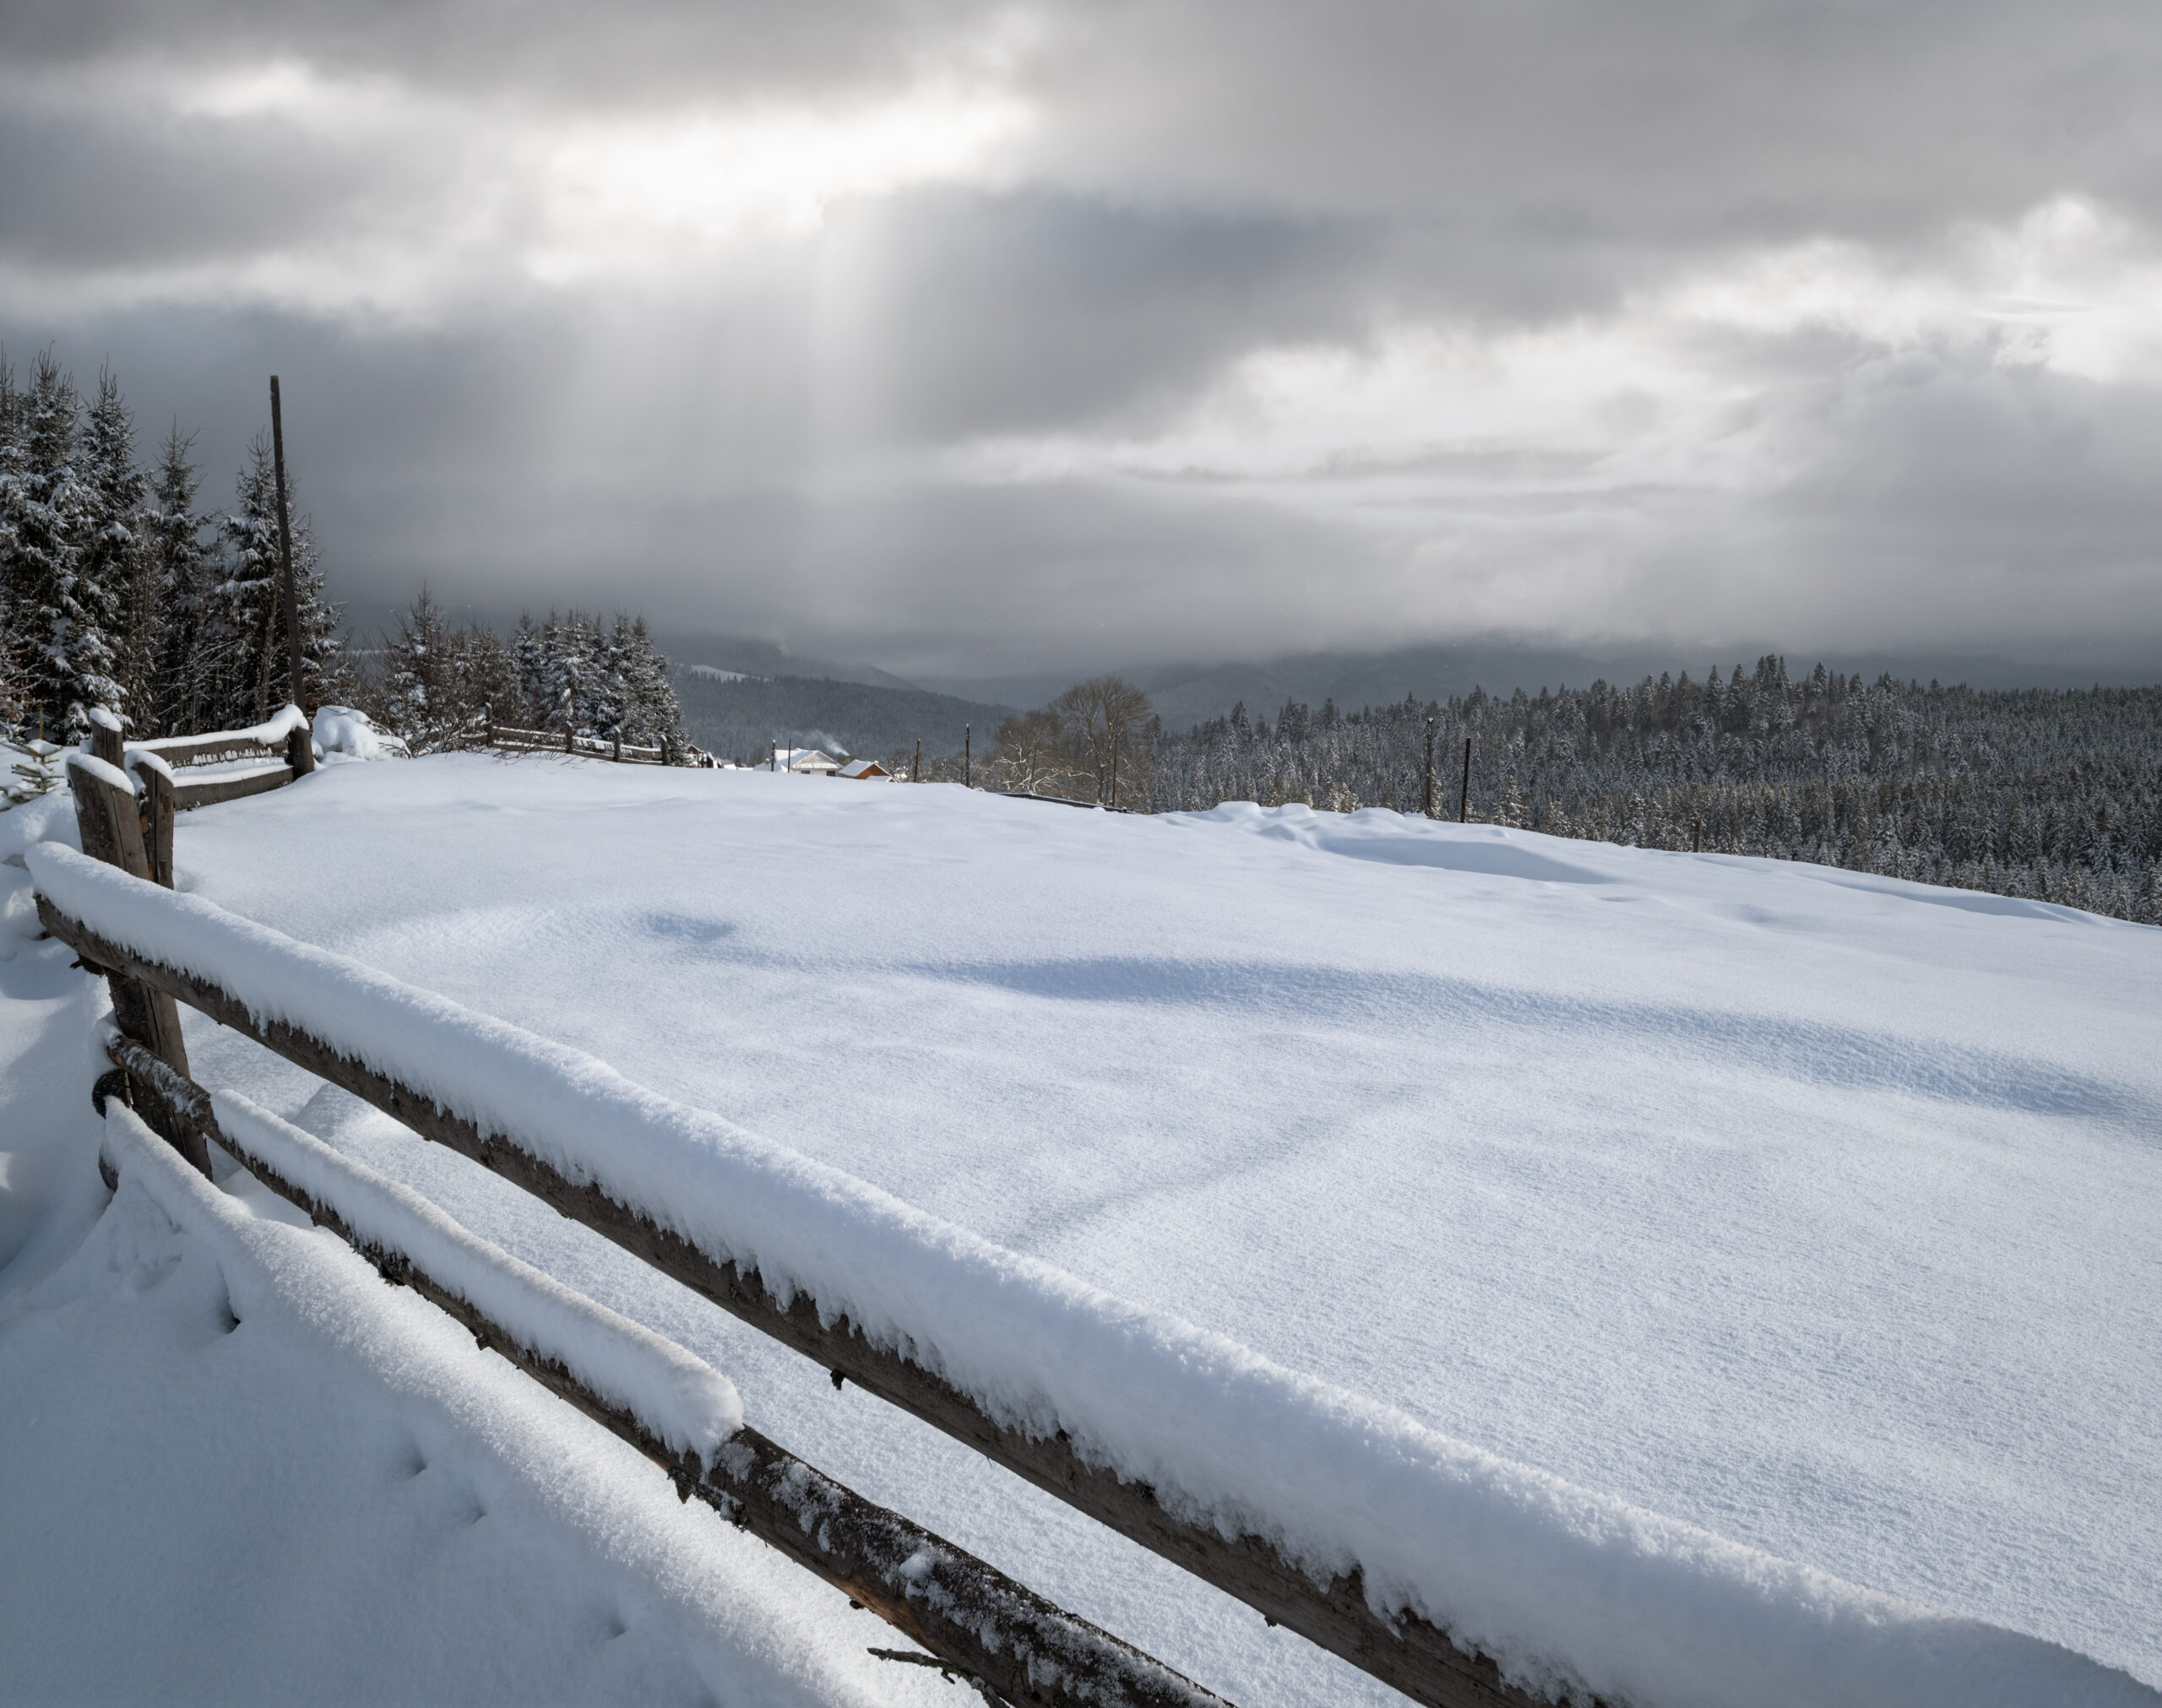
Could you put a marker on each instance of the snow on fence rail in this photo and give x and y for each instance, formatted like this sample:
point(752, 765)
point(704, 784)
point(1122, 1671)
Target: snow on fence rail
point(647, 1391)
point(1341, 1518)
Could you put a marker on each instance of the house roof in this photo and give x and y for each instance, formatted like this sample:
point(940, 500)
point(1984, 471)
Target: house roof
point(864, 768)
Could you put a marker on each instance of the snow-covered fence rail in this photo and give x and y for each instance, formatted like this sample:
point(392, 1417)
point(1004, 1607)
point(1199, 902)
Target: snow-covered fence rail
point(667, 1405)
point(234, 763)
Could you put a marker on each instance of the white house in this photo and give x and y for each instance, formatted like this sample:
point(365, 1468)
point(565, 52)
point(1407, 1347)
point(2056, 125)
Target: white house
point(805, 762)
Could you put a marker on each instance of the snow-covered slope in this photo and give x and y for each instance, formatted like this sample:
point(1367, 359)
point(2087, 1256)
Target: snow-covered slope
point(1809, 1209)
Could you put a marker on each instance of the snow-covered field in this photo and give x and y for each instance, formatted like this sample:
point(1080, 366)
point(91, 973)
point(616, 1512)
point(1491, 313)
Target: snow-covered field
point(1813, 1210)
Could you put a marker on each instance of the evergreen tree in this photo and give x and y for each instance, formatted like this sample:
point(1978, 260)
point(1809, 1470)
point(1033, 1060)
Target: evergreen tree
point(529, 660)
point(113, 568)
point(656, 719)
point(62, 621)
point(182, 585)
point(248, 605)
point(14, 641)
point(414, 678)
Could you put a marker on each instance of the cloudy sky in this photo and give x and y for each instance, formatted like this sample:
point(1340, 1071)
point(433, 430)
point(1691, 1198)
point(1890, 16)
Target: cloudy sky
point(985, 339)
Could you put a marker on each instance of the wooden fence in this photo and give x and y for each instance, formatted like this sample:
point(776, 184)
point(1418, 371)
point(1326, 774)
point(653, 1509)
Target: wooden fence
point(513, 739)
point(236, 763)
point(980, 1623)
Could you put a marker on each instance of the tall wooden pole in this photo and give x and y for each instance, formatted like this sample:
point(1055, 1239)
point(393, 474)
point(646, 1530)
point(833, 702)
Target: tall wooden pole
point(1426, 783)
point(302, 753)
point(917, 776)
point(1463, 794)
point(968, 763)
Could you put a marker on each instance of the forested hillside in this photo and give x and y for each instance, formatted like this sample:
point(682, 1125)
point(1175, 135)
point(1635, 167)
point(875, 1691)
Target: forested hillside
point(741, 719)
point(119, 588)
point(2051, 795)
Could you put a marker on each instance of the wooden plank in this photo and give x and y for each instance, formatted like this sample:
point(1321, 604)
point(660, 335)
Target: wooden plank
point(157, 808)
point(1412, 1656)
point(963, 1610)
point(181, 751)
point(212, 790)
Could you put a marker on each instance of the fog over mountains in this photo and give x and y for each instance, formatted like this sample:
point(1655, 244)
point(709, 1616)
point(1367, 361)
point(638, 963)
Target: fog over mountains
point(1183, 694)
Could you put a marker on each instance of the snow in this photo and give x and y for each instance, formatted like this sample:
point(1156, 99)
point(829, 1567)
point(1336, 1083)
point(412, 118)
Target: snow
point(264, 1475)
point(47, 818)
point(145, 759)
point(110, 775)
point(343, 730)
point(272, 731)
point(1580, 1184)
point(681, 1402)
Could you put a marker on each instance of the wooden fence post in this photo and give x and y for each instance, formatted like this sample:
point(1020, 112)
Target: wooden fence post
point(111, 831)
point(157, 808)
point(302, 757)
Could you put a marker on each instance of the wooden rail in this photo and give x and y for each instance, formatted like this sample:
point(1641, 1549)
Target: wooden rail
point(1415, 1658)
point(276, 762)
point(513, 739)
point(964, 1613)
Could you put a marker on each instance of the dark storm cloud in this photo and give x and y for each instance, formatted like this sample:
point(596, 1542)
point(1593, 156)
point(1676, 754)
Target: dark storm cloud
point(1234, 328)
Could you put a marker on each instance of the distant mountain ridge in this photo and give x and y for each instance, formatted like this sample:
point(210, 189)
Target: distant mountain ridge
point(1184, 694)
point(742, 718)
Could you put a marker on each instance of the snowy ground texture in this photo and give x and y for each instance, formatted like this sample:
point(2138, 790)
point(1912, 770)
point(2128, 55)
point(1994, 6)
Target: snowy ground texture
point(1810, 1210)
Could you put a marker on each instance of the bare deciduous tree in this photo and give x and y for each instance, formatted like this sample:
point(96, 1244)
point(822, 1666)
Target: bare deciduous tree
point(1103, 720)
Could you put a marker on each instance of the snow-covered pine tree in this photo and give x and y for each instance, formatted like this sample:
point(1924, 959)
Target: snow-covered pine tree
point(567, 682)
point(416, 696)
point(13, 687)
point(528, 655)
point(68, 648)
point(248, 605)
point(656, 717)
point(183, 585)
point(113, 583)
point(243, 605)
point(611, 704)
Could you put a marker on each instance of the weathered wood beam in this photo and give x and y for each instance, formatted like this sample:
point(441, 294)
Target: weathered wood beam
point(1412, 1656)
point(963, 1612)
point(214, 789)
point(110, 829)
point(182, 750)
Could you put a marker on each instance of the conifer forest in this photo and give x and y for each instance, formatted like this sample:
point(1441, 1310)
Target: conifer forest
point(125, 587)
point(2046, 795)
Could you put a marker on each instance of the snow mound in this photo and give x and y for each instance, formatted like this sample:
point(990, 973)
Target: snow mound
point(342, 729)
point(1567, 1587)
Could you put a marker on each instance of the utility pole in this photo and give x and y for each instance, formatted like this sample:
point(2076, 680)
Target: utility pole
point(301, 753)
point(968, 764)
point(917, 776)
point(1463, 794)
point(1426, 783)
